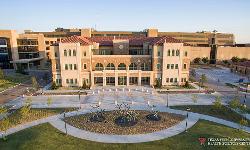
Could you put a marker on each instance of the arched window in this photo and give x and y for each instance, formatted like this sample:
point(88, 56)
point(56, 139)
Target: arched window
point(65, 52)
point(74, 52)
point(98, 66)
point(144, 67)
point(169, 52)
point(173, 52)
point(121, 66)
point(177, 52)
point(110, 66)
point(132, 66)
point(70, 52)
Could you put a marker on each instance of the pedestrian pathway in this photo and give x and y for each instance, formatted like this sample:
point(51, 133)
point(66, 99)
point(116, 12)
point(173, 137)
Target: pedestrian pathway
point(58, 123)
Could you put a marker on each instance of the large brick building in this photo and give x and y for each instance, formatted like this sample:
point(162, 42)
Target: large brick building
point(120, 61)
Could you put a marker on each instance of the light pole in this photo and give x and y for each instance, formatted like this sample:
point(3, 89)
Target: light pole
point(188, 109)
point(65, 125)
point(167, 97)
point(79, 96)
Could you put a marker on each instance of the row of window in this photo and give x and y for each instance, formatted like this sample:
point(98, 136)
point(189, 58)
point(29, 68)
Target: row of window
point(71, 81)
point(121, 66)
point(70, 67)
point(175, 80)
point(174, 52)
point(69, 52)
point(175, 66)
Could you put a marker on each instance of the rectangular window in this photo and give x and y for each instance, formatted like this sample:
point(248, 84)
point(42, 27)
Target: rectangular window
point(173, 52)
point(185, 66)
point(67, 81)
point(172, 66)
point(84, 54)
point(185, 79)
point(66, 66)
point(75, 81)
point(159, 53)
point(171, 80)
point(47, 42)
point(47, 48)
point(55, 54)
point(169, 52)
point(167, 80)
point(70, 66)
point(75, 67)
point(168, 66)
point(65, 52)
point(181, 79)
point(186, 53)
point(71, 81)
point(69, 52)
point(176, 66)
point(74, 52)
point(84, 66)
point(175, 80)
point(57, 66)
point(158, 66)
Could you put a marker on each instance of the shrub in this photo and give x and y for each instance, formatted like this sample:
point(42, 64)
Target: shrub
point(197, 60)
point(1, 74)
point(205, 60)
point(187, 85)
point(84, 85)
point(243, 122)
point(158, 83)
point(35, 84)
point(243, 59)
point(235, 103)
point(217, 104)
point(203, 79)
point(54, 86)
point(235, 59)
point(225, 62)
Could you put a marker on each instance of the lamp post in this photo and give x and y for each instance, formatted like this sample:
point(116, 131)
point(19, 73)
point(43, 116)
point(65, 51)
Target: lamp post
point(167, 97)
point(65, 125)
point(79, 97)
point(188, 109)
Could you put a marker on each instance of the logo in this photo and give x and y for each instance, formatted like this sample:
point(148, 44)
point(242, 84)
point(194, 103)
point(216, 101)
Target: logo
point(202, 140)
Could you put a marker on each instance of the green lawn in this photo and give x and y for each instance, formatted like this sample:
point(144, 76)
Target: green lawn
point(45, 137)
point(224, 113)
point(12, 80)
point(34, 114)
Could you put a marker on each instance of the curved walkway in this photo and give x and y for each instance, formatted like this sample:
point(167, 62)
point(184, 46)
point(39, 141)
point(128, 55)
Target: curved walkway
point(106, 138)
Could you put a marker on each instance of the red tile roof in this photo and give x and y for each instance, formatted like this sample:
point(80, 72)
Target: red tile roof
point(134, 41)
point(77, 39)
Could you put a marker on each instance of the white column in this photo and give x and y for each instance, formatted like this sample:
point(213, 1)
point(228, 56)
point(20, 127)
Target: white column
point(139, 78)
point(92, 79)
point(116, 79)
point(104, 79)
point(127, 79)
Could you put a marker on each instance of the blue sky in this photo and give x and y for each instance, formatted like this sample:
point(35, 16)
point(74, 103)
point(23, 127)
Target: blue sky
point(231, 16)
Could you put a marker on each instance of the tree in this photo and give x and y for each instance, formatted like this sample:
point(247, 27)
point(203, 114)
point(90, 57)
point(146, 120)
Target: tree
point(49, 101)
point(194, 98)
point(235, 59)
point(217, 104)
point(84, 85)
point(1, 74)
point(243, 59)
point(54, 86)
point(5, 123)
point(158, 83)
point(197, 60)
point(187, 85)
point(35, 84)
point(205, 60)
point(203, 79)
